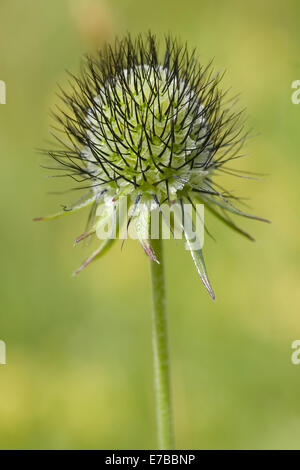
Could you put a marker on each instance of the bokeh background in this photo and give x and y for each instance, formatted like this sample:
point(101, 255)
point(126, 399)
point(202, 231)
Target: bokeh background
point(79, 359)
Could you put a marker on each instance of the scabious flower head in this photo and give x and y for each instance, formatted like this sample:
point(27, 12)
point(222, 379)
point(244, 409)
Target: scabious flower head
point(152, 127)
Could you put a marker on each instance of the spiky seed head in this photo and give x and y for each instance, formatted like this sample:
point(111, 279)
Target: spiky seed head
point(151, 126)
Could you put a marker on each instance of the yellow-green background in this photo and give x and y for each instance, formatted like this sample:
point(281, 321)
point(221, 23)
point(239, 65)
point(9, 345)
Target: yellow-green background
point(79, 363)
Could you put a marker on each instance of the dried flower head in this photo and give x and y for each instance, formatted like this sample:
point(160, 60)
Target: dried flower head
point(151, 127)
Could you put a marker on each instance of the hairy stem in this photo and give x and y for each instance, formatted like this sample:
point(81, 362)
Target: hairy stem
point(160, 350)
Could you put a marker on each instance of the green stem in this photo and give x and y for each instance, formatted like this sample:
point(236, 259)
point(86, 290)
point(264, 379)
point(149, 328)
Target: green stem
point(160, 350)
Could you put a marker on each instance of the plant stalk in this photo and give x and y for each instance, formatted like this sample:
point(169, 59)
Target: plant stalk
point(160, 351)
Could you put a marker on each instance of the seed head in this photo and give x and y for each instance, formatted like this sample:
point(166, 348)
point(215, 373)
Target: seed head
point(153, 127)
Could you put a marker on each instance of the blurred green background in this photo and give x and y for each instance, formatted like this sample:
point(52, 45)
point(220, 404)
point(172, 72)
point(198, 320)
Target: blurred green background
point(79, 359)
